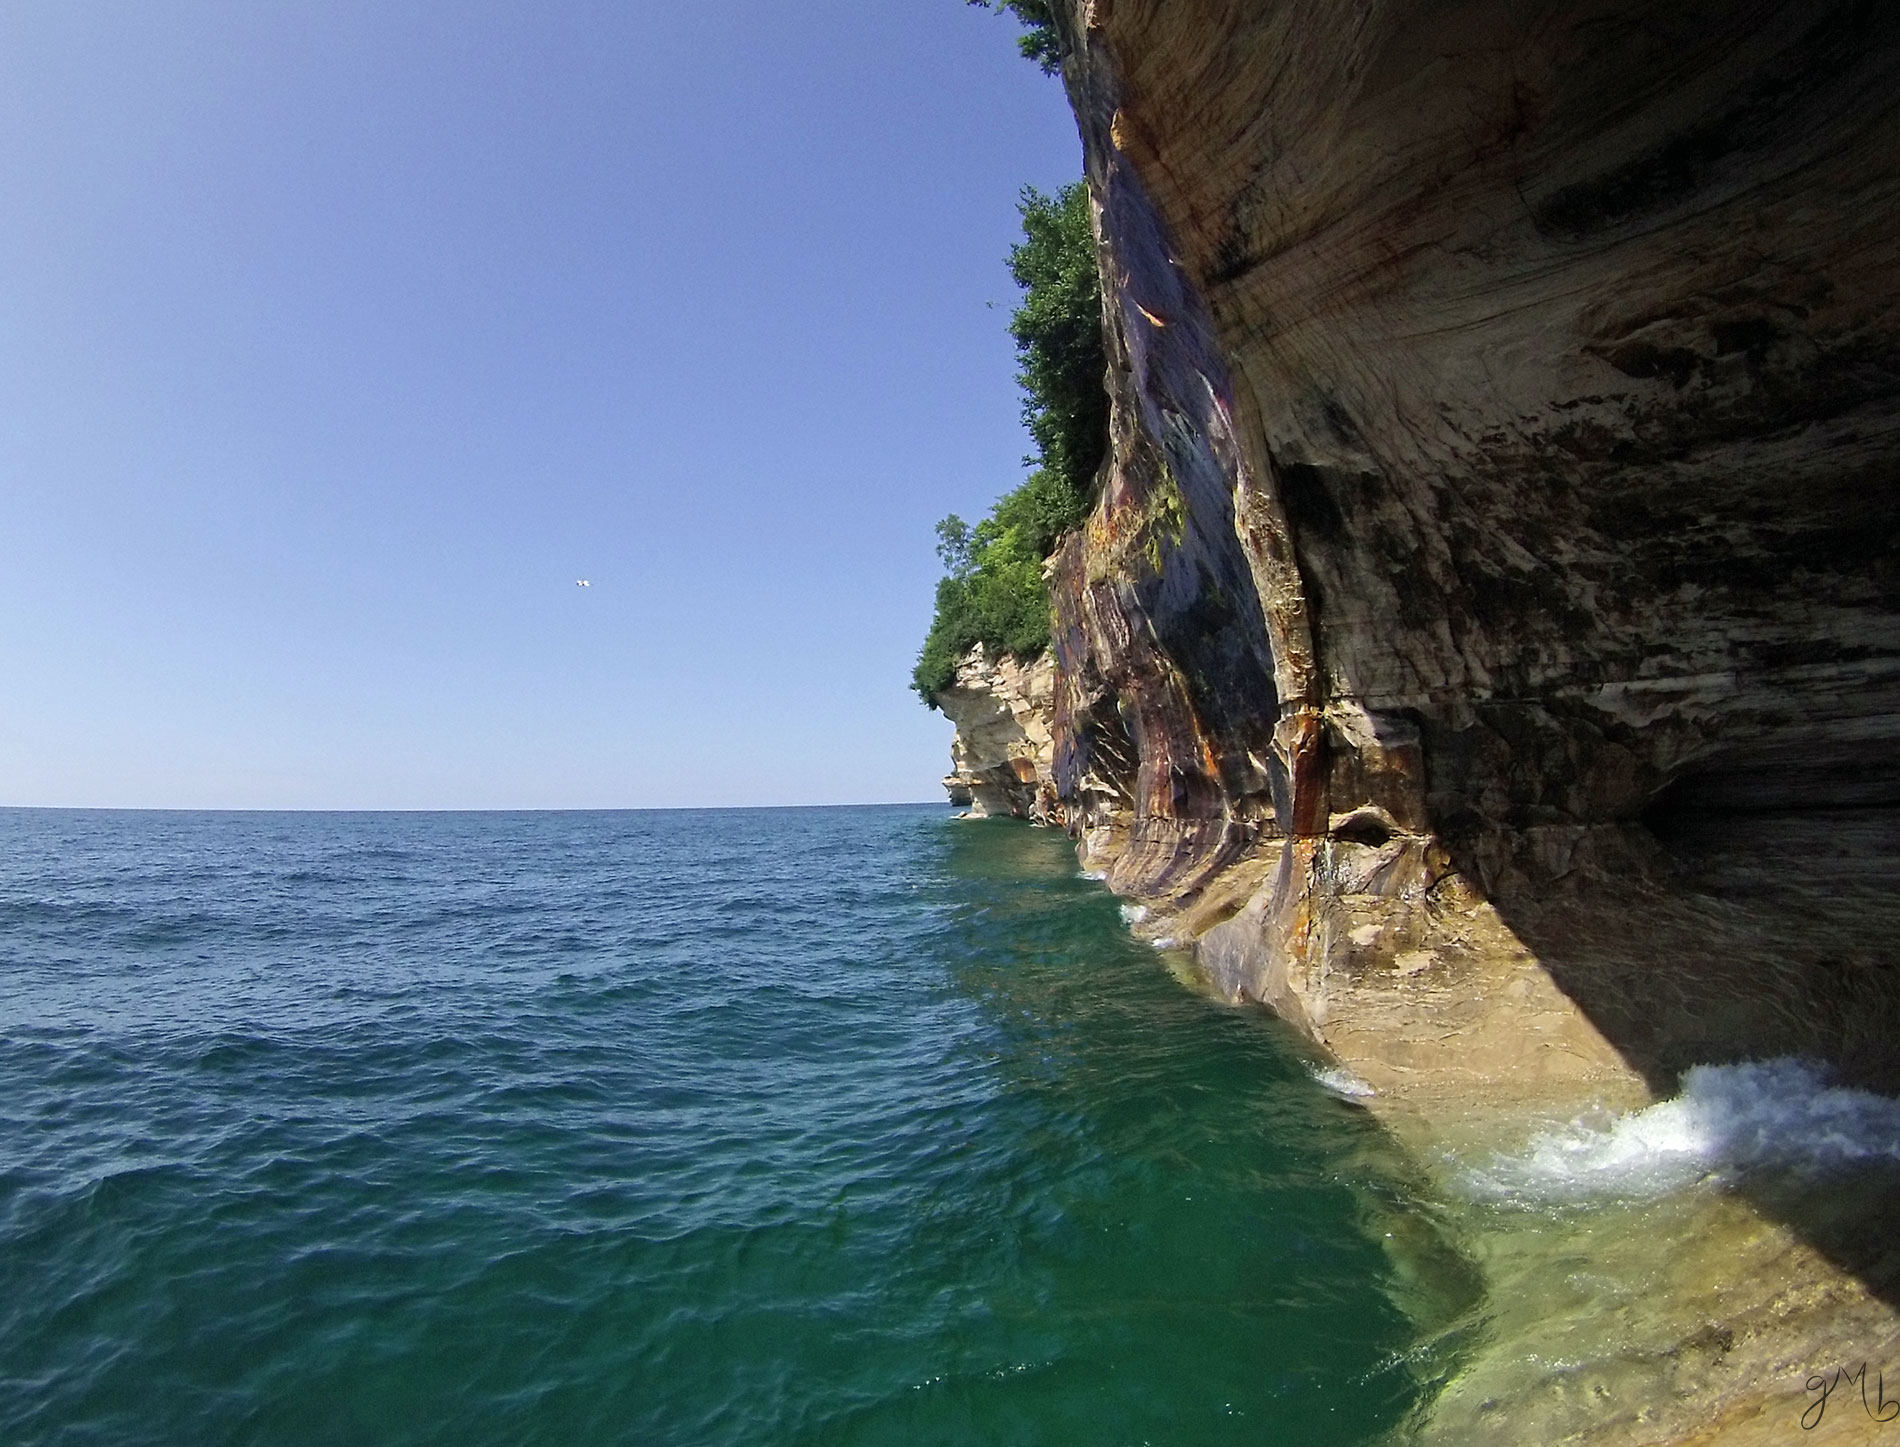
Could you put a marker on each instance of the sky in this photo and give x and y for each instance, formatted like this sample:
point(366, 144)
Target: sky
point(340, 338)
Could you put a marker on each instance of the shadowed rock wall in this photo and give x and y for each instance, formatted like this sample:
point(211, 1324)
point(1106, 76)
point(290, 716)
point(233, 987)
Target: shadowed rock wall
point(1499, 552)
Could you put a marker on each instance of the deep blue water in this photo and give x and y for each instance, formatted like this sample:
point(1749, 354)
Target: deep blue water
point(786, 1126)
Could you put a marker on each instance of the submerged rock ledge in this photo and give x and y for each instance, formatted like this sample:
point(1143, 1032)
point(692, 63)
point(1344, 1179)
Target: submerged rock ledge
point(1486, 648)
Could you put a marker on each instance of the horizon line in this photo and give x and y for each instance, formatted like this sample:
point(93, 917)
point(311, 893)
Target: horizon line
point(425, 809)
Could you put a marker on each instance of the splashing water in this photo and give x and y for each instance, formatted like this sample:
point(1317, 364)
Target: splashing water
point(1342, 1082)
point(1727, 1120)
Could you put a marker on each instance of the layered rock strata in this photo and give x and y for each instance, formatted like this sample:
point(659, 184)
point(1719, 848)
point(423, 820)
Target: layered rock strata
point(1486, 647)
point(1002, 756)
point(1501, 531)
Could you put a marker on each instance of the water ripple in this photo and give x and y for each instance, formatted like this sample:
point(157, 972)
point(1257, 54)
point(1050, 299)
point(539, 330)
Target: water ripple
point(827, 1126)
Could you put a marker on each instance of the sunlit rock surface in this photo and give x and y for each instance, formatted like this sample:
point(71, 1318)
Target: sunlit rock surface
point(1501, 531)
point(1486, 648)
point(1001, 754)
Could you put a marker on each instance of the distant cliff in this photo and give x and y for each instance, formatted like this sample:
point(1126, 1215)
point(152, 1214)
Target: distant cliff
point(1002, 757)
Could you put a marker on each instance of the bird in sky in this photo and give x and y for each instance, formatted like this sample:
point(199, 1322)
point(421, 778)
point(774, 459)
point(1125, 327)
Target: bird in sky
point(582, 583)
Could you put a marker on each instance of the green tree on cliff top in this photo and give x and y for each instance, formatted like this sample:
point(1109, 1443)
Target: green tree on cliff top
point(993, 591)
point(1038, 40)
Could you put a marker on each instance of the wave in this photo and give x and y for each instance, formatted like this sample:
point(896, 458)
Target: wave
point(1727, 1120)
point(1341, 1082)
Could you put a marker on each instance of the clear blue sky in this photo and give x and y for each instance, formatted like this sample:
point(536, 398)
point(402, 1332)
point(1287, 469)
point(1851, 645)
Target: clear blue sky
point(339, 338)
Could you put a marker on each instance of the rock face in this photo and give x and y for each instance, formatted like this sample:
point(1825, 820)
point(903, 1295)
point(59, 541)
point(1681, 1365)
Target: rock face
point(1001, 757)
point(1500, 545)
point(1486, 647)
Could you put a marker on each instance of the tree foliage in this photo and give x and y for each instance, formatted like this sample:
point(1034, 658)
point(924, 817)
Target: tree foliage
point(1038, 40)
point(1058, 332)
point(993, 591)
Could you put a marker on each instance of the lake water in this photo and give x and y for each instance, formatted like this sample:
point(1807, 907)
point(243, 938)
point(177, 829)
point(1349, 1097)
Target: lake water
point(786, 1126)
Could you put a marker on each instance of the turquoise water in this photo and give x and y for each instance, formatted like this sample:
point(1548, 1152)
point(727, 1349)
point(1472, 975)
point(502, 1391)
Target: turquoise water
point(787, 1126)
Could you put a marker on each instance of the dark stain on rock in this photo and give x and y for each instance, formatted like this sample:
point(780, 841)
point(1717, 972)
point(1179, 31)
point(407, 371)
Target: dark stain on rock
point(1750, 335)
point(1673, 170)
point(1309, 503)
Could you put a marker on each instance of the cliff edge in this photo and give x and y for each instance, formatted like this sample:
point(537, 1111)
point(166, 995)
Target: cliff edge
point(1002, 757)
point(1502, 500)
point(1485, 648)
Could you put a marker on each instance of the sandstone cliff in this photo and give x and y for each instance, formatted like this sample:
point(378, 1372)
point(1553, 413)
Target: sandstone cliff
point(1486, 647)
point(1002, 757)
point(1502, 508)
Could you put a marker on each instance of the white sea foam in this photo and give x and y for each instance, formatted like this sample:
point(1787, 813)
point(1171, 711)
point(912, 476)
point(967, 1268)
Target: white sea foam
point(1134, 913)
point(1166, 942)
point(1095, 874)
point(1342, 1082)
point(1727, 1120)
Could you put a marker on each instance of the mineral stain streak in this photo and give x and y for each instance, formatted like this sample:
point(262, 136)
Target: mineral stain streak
point(1486, 646)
